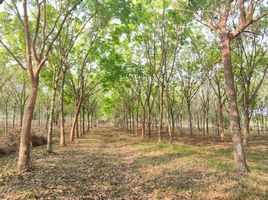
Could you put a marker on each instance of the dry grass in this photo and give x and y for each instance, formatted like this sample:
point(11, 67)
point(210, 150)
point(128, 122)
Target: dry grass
point(110, 164)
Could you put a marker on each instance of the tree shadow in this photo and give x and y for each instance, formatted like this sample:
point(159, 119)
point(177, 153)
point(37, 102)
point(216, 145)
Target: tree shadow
point(161, 159)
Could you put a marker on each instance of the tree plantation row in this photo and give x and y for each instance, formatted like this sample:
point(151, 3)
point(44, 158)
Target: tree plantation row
point(160, 69)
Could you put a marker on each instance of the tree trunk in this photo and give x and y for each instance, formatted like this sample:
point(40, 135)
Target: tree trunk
point(168, 116)
point(6, 120)
point(149, 121)
point(143, 124)
point(14, 117)
point(137, 121)
point(246, 122)
point(62, 121)
point(133, 120)
point(221, 119)
point(83, 120)
point(160, 125)
point(21, 115)
point(39, 118)
point(190, 117)
point(25, 141)
point(77, 128)
point(88, 121)
point(47, 118)
point(51, 116)
point(75, 119)
point(239, 155)
point(207, 112)
point(172, 120)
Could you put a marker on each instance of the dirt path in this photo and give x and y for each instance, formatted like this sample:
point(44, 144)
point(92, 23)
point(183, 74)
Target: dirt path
point(97, 166)
point(109, 164)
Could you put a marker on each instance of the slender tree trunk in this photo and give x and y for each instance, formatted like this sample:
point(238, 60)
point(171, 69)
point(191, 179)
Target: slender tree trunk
point(77, 128)
point(91, 120)
point(198, 123)
point(221, 121)
point(172, 120)
point(207, 112)
point(246, 123)
point(149, 121)
point(137, 121)
point(6, 118)
point(181, 124)
point(127, 121)
point(14, 117)
point(160, 125)
point(143, 124)
point(130, 120)
point(51, 116)
point(83, 120)
point(25, 140)
point(47, 118)
point(204, 122)
point(133, 120)
point(168, 116)
point(21, 115)
point(88, 121)
point(190, 117)
point(62, 120)
point(22, 103)
point(75, 119)
point(239, 155)
point(39, 118)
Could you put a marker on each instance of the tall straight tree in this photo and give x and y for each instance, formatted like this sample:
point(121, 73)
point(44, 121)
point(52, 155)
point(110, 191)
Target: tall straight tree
point(39, 40)
point(228, 19)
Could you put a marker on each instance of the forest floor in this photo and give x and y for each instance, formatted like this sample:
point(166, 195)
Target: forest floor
point(110, 164)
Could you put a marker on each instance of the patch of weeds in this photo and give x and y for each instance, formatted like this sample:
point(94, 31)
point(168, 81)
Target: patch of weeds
point(117, 192)
point(256, 156)
point(249, 192)
point(219, 164)
point(166, 147)
point(224, 152)
point(151, 146)
point(159, 194)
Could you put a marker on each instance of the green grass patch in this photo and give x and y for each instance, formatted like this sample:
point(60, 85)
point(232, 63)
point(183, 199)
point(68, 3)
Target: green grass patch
point(148, 147)
point(211, 157)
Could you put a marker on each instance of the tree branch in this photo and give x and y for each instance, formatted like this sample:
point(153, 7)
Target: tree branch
point(12, 54)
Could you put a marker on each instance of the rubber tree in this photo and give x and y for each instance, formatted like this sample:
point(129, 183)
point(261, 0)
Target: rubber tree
point(250, 67)
point(217, 15)
point(39, 39)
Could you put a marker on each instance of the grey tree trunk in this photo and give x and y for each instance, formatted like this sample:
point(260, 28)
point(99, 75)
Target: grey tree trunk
point(51, 115)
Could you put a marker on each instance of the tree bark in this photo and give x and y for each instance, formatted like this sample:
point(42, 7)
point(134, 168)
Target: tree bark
point(137, 120)
point(239, 155)
point(221, 119)
point(51, 116)
point(190, 117)
point(14, 117)
point(246, 126)
point(75, 119)
point(6, 118)
point(160, 125)
point(62, 121)
point(168, 116)
point(83, 120)
point(149, 120)
point(143, 124)
point(25, 141)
